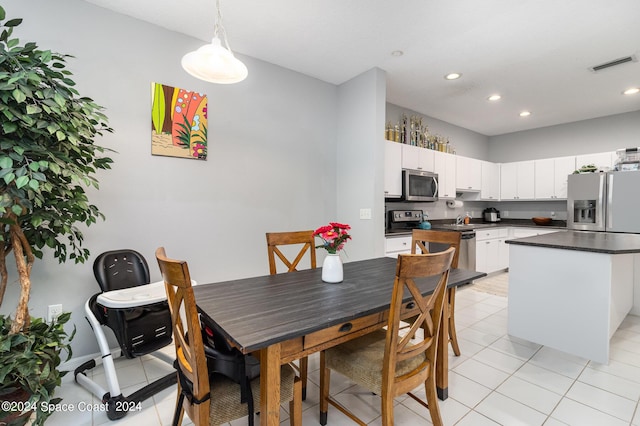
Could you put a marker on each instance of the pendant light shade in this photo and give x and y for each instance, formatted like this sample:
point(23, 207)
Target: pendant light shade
point(214, 62)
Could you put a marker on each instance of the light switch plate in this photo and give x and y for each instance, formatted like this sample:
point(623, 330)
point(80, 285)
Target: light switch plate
point(365, 213)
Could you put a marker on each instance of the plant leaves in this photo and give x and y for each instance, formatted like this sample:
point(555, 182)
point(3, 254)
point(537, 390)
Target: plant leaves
point(18, 95)
point(9, 177)
point(5, 162)
point(33, 109)
point(13, 22)
point(22, 181)
point(9, 127)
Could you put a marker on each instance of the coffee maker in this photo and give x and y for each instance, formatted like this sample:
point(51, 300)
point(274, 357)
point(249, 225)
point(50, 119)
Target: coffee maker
point(491, 215)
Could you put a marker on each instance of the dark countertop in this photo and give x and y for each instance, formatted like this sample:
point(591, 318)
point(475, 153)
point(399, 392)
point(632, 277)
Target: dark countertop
point(447, 225)
point(598, 242)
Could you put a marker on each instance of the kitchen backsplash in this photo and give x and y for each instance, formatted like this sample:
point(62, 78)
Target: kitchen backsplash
point(508, 210)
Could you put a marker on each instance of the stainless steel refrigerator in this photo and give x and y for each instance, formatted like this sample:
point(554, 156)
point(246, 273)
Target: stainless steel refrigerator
point(608, 202)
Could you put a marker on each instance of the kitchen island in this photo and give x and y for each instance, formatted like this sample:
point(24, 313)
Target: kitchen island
point(571, 290)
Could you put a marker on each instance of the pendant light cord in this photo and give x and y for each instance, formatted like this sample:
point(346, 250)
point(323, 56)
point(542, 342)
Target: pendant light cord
point(218, 29)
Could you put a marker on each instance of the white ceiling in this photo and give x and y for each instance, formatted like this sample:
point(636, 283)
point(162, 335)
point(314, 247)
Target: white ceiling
point(535, 53)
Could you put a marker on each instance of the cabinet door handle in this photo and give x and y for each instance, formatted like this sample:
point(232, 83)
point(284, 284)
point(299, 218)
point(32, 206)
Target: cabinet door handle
point(411, 305)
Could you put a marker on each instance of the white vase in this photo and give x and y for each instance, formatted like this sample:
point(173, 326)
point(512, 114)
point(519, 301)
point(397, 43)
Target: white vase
point(332, 269)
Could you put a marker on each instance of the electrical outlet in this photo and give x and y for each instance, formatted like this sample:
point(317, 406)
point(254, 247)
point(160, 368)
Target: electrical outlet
point(553, 214)
point(505, 214)
point(365, 213)
point(53, 312)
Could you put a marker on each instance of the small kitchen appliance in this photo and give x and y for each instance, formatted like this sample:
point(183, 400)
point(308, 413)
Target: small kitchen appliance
point(419, 185)
point(491, 215)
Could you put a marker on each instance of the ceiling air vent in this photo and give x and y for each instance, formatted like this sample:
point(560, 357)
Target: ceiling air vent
point(614, 63)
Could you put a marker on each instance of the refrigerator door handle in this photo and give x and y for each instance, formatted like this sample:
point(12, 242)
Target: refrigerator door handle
point(609, 207)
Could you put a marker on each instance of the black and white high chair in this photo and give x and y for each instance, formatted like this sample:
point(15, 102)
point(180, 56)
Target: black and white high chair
point(139, 316)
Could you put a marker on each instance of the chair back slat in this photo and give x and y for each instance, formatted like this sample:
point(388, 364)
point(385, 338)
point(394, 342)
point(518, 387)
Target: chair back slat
point(187, 334)
point(420, 237)
point(411, 267)
point(278, 239)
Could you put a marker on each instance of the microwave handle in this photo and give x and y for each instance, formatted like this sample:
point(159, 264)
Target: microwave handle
point(435, 183)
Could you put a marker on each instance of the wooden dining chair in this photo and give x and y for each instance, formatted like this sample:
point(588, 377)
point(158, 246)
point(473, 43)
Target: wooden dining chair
point(209, 399)
point(304, 239)
point(385, 362)
point(419, 240)
point(306, 244)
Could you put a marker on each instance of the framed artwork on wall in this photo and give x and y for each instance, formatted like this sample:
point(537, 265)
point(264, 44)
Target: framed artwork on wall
point(178, 122)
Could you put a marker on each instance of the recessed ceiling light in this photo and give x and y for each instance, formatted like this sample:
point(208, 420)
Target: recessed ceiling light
point(453, 76)
point(397, 53)
point(631, 91)
point(525, 114)
point(494, 97)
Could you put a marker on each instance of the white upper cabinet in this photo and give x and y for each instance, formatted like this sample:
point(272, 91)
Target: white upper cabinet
point(490, 181)
point(445, 167)
point(600, 160)
point(468, 174)
point(392, 170)
point(517, 181)
point(551, 177)
point(544, 179)
point(416, 158)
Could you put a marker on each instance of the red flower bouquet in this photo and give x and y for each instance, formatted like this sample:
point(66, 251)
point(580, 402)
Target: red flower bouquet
point(334, 236)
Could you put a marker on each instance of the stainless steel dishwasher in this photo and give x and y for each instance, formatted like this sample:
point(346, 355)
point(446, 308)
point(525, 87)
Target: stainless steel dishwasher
point(467, 257)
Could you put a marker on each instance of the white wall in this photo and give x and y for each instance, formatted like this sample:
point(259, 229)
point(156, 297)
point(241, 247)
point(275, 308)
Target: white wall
point(581, 137)
point(360, 160)
point(271, 166)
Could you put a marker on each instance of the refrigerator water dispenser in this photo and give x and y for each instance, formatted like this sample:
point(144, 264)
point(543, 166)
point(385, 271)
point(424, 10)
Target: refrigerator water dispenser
point(584, 211)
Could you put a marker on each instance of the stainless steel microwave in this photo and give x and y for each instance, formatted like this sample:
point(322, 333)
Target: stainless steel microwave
point(419, 185)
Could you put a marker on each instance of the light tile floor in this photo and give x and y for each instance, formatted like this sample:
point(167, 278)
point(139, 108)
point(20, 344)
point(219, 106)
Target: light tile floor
point(498, 380)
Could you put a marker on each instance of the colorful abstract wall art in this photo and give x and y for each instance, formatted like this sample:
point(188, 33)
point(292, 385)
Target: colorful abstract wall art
point(178, 122)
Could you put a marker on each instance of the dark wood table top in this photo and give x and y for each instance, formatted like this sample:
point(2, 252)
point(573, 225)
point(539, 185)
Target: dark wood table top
point(258, 312)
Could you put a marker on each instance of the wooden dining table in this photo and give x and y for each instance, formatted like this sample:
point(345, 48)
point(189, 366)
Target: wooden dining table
point(287, 316)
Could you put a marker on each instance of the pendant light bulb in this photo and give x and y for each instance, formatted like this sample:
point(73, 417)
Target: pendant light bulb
point(214, 62)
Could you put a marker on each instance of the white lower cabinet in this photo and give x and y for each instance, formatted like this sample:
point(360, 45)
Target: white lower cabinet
point(393, 246)
point(492, 253)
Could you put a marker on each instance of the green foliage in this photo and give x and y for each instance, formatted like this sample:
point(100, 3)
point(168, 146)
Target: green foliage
point(47, 153)
point(30, 360)
point(184, 133)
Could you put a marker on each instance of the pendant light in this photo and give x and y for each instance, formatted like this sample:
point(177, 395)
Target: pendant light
point(213, 62)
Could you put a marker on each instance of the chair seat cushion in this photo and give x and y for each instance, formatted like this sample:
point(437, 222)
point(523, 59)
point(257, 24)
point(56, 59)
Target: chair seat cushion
point(361, 360)
point(225, 396)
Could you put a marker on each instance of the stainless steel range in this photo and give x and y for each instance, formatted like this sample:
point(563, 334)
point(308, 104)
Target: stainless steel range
point(403, 220)
point(399, 221)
